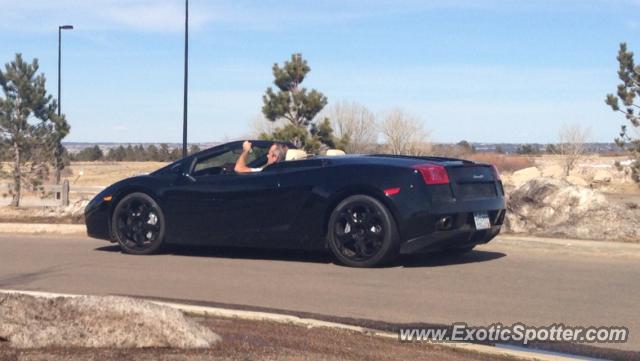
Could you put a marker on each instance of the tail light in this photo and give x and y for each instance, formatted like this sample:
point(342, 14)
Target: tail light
point(433, 174)
point(496, 174)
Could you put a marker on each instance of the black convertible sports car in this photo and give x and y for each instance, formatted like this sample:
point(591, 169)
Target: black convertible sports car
point(365, 208)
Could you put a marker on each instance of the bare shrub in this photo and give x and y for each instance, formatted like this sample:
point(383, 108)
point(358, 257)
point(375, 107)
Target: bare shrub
point(571, 145)
point(354, 122)
point(504, 163)
point(404, 134)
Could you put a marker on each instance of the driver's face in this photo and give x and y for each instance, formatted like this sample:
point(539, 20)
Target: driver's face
point(271, 156)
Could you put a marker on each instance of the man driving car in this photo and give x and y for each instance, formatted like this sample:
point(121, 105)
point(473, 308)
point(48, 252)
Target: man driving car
point(277, 153)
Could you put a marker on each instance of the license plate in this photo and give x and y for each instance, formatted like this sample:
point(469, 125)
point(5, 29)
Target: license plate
point(482, 220)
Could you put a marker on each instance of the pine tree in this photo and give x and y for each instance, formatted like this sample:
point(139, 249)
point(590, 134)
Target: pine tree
point(627, 93)
point(152, 153)
point(30, 129)
point(295, 104)
point(90, 154)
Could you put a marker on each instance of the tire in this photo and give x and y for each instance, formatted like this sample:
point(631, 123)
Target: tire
point(138, 224)
point(362, 232)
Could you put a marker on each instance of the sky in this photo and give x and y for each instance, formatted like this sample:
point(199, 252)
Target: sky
point(478, 70)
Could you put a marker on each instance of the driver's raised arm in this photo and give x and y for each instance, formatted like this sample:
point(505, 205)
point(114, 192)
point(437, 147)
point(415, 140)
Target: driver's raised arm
point(241, 163)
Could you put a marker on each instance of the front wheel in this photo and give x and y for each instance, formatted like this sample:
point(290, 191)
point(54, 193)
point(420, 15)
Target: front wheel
point(138, 224)
point(362, 232)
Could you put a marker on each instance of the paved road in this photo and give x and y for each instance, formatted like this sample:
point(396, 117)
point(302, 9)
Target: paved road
point(507, 281)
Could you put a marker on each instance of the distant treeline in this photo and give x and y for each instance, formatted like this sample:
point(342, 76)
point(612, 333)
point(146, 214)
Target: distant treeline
point(131, 153)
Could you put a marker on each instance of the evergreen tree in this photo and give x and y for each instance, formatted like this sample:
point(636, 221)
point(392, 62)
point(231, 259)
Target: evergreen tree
point(30, 130)
point(627, 93)
point(116, 154)
point(90, 154)
point(152, 153)
point(527, 149)
point(296, 104)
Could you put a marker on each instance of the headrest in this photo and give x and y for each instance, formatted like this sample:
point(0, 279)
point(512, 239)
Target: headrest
point(294, 154)
point(333, 152)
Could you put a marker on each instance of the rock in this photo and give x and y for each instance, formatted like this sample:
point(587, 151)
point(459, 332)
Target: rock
point(553, 171)
point(602, 176)
point(577, 180)
point(556, 207)
point(92, 321)
point(524, 175)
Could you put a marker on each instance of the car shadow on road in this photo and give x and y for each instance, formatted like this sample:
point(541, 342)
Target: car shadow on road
point(241, 253)
point(409, 261)
point(440, 259)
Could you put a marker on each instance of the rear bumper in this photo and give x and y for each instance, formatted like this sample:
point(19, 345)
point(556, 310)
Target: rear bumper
point(459, 238)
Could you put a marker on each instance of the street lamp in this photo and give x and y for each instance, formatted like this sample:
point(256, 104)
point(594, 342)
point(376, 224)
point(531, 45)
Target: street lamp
point(60, 28)
point(186, 78)
point(58, 150)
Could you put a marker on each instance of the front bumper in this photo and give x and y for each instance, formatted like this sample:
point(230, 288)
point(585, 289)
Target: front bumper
point(96, 216)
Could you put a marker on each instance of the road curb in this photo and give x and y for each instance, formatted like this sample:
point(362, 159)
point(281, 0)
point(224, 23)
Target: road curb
point(313, 323)
point(569, 242)
point(42, 228)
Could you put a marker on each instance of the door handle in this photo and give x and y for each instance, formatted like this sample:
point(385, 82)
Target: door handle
point(189, 177)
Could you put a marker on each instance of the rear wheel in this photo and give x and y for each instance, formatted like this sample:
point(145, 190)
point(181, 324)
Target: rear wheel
point(138, 224)
point(362, 232)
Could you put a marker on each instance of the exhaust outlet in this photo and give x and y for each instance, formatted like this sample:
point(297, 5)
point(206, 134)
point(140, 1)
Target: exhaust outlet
point(444, 223)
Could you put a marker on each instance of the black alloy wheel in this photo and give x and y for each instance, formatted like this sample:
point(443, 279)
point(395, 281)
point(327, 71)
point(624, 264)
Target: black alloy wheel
point(362, 232)
point(138, 224)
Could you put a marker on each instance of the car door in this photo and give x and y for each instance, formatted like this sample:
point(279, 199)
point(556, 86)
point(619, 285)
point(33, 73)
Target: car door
point(298, 198)
point(212, 204)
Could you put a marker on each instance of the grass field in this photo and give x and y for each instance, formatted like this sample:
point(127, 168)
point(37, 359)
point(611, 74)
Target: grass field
point(105, 173)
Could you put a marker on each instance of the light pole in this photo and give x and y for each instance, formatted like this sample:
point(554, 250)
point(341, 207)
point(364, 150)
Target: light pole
point(186, 78)
point(60, 28)
point(58, 151)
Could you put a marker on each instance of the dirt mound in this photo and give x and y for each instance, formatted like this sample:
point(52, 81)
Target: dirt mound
point(31, 322)
point(555, 207)
point(522, 176)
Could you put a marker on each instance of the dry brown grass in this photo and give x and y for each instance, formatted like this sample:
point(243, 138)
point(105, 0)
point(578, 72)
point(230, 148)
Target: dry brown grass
point(99, 173)
point(504, 163)
point(105, 173)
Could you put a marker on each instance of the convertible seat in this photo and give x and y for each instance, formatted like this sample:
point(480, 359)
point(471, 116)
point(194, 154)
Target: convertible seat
point(295, 154)
point(334, 152)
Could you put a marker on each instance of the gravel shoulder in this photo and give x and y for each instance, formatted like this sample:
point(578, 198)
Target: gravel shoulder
point(253, 340)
